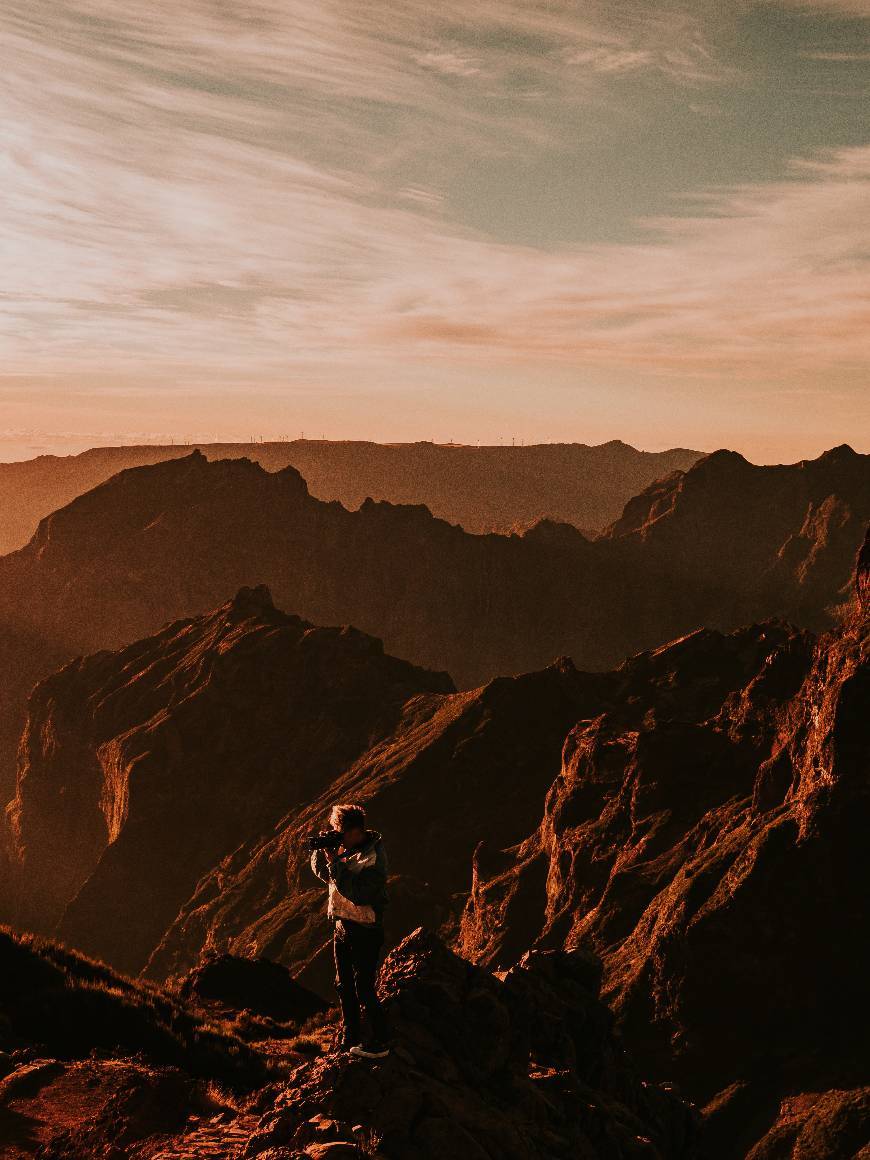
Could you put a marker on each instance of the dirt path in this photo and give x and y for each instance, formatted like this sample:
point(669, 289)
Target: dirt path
point(215, 1139)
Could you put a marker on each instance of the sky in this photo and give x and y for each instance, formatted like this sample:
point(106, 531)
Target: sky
point(472, 221)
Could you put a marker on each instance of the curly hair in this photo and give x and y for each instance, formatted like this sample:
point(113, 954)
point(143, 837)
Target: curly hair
point(347, 816)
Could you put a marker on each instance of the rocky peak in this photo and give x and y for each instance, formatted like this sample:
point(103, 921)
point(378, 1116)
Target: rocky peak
point(719, 462)
point(215, 726)
point(843, 453)
point(251, 602)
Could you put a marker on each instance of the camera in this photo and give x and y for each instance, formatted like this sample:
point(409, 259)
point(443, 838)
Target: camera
point(326, 840)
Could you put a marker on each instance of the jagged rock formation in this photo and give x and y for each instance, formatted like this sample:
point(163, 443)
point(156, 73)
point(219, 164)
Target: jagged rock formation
point(723, 544)
point(465, 778)
point(524, 1069)
point(451, 770)
point(484, 489)
point(716, 859)
point(140, 770)
point(705, 808)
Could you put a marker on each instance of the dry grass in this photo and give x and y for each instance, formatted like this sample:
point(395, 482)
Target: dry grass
point(306, 1045)
point(72, 1005)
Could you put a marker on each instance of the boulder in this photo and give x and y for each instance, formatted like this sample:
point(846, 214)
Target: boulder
point(471, 1073)
point(251, 984)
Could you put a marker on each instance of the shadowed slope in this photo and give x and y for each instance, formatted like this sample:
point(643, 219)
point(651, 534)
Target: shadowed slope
point(71, 1006)
point(485, 489)
point(723, 544)
point(717, 860)
point(140, 769)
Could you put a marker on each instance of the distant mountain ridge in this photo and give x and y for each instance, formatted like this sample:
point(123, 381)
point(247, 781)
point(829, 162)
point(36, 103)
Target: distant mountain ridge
point(483, 489)
point(721, 545)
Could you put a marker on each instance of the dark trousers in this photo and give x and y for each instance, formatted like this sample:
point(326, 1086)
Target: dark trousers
point(357, 950)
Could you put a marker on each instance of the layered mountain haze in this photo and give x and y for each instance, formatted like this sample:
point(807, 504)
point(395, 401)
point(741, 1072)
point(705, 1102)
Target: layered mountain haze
point(722, 544)
point(484, 489)
point(694, 816)
point(702, 816)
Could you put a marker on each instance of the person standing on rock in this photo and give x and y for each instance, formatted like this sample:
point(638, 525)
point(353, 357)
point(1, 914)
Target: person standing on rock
point(352, 861)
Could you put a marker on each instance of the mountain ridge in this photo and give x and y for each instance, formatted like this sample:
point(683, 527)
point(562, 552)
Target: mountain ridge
point(483, 489)
point(164, 541)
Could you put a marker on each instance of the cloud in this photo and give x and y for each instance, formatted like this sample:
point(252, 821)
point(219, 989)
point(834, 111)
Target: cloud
point(186, 187)
point(454, 64)
point(768, 280)
point(847, 8)
point(838, 57)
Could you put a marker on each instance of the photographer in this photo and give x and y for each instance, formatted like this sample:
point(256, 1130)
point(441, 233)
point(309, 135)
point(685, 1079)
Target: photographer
point(353, 863)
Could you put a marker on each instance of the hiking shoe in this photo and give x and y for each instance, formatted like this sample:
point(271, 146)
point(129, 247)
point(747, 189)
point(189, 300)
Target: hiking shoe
point(374, 1049)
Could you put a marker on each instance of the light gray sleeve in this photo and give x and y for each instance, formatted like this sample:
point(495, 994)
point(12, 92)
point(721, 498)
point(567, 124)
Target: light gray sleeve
point(320, 865)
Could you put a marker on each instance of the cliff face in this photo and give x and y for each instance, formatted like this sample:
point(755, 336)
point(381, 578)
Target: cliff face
point(485, 489)
point(478, 765)
point(139, 770)
point(715, 858)
point(697, 816)
point(723, 544)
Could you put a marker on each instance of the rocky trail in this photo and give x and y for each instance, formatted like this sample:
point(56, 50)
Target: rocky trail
point(217, 1138)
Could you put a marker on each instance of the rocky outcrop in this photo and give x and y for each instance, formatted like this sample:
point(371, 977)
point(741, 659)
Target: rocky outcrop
point(454, 794)
point(478, 764)
point(522, 1068)
point(256, 985)
point(715, 858)
point(723, 544)
point(140, 770)
point(485, 489)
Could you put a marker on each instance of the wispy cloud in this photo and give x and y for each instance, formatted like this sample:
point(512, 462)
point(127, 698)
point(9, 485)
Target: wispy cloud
point(847, 8)
point(766, 280)
point(257, 187)
point(450, 63)
point(839, 57)
point(278, 264)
